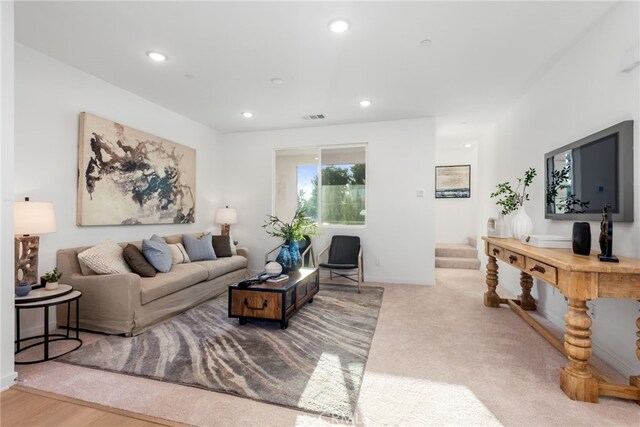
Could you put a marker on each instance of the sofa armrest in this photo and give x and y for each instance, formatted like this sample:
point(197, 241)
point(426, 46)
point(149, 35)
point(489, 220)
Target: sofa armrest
point(108, 301)
point(243, 252)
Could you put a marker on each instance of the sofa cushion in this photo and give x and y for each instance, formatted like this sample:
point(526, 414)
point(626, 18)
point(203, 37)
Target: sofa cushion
point(179, 253)
point(199, 249)
point(138, 263)
point(158, 254)
point(180, 277)
point(222, 246)
point(223, 266)
point(105, 258)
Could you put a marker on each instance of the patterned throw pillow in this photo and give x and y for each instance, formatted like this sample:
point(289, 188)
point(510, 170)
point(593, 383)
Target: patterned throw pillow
point(138, 263)
point(199, 249)
point(222, 246)
point(179, 253)
point(157, 252)
point(105, 258)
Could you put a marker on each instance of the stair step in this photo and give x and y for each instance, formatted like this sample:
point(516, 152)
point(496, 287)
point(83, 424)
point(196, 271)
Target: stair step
point(453, 250)
point(459, 263)
point(473, 241)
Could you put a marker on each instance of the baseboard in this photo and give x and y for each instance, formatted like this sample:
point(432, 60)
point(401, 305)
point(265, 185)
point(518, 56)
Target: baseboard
point(8, 381)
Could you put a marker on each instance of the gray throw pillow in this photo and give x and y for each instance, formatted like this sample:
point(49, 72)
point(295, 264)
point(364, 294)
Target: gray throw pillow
point(158, 254)
point(138, 262)
point(199, 249)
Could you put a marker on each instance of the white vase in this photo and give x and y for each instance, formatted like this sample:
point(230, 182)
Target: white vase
point(51, 286)
point(521, 224)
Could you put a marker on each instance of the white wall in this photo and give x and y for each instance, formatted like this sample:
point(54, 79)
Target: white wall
point(584, 92)
point(49, 98)
point(456, 218)
point(400, 226)
point(7, 372)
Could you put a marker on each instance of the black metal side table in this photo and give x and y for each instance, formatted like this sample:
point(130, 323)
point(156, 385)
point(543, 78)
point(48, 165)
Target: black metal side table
point(41, 298)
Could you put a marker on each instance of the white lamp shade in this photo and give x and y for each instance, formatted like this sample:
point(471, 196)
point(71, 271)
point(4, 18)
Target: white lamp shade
point(33, 218)
point(226, 216)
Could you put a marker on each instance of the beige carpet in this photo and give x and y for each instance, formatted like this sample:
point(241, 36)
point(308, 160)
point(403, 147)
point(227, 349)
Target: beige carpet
point(439, 357)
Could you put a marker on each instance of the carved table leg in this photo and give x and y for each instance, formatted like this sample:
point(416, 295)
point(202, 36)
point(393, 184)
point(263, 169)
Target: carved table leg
point(576, 379)
point(491, 298)
point(527, 302)
point(635, 379)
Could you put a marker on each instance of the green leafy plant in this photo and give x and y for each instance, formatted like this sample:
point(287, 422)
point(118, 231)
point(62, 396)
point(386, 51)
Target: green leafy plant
point(301, 225)
point(52, 276)
point(509, 199)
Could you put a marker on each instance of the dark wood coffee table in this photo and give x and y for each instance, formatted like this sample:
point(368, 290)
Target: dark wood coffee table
point(274, 301)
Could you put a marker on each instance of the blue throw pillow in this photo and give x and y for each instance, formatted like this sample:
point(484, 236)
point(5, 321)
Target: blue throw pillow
point(199, 249)
point(157, 252)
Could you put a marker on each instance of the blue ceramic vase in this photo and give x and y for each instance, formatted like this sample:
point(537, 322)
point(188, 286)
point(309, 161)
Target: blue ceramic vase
point(296, 259)
point(23, 289)
point(284, 258)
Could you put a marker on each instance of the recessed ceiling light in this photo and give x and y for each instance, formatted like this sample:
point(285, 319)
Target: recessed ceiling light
point(467, 145)
point(339, 25)
point(425, 42)
point(365, 103)
point(247, 114)
point(157, 56)
point(277, 81)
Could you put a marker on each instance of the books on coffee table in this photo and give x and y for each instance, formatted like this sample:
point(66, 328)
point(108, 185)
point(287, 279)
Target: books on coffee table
point(277, 279)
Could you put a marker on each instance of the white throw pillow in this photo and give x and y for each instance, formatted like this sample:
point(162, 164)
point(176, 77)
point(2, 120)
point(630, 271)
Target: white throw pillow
point(178, 253)
point(105, 258)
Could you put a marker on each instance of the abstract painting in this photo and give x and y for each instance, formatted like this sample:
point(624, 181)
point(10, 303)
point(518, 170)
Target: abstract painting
point(128, 177)
point(453, 182)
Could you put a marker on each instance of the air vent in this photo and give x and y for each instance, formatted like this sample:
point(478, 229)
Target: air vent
point(313, 117)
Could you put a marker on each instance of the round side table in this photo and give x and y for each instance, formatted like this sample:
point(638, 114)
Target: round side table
point(41, 298)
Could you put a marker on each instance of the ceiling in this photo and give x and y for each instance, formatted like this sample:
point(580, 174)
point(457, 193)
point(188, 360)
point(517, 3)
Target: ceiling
point(482, 58)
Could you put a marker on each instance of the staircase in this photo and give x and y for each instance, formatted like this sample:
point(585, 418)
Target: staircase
point(460, 256)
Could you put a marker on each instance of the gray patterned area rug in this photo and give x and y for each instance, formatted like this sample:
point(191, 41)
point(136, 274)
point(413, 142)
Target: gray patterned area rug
point(315, 365)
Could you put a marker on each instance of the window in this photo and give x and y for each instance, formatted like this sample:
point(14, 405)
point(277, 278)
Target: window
point(337, 198)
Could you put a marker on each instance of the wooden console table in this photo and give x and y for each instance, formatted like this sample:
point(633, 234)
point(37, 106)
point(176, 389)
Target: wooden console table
point(580, 279)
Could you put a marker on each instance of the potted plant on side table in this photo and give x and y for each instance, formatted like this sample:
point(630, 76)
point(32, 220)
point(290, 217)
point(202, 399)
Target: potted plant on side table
point(293, 232)
point(52, 277)
point(510, 200)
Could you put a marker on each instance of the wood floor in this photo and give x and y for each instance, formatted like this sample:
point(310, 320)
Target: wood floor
point(21, 406)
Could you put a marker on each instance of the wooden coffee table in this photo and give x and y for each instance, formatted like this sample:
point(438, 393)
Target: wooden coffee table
point(274, 301)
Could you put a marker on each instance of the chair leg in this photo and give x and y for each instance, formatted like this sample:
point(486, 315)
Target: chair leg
point(330, 275)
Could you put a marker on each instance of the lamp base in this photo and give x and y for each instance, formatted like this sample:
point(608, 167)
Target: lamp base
point(224, 229)
point(26, 252)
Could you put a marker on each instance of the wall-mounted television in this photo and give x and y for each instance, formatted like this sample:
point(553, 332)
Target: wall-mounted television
point(582, 177)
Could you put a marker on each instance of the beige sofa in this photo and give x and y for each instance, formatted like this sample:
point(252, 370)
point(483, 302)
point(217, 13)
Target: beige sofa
point(129, 304)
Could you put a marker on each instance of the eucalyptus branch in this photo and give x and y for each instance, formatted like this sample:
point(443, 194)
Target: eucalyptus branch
point(508, 198)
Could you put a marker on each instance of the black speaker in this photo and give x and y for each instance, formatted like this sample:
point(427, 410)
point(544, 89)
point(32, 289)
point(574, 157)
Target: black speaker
point(581, 238)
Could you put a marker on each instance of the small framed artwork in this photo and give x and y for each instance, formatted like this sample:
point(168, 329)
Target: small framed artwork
point(453, 182)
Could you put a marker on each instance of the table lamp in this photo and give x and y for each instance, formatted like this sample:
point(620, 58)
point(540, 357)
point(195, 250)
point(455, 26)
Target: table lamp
point(225, 217)
point(30, 218)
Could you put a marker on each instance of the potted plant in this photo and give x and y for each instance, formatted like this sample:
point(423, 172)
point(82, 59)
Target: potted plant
point(52, 277)
point(292, 232)
point(512, 200)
